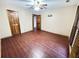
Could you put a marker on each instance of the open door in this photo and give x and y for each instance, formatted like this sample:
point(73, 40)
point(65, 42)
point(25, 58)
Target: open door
point(14, 22)
point(36, 22)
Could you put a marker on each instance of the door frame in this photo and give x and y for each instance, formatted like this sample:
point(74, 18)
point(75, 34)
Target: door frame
point(74, 28)
point(33, 21)
point(10, 23)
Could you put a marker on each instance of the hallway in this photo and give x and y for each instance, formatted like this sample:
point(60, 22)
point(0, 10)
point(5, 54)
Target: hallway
point(31, 44)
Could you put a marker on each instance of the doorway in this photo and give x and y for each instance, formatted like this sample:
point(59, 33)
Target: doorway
point(14, 22)
point(36, 22)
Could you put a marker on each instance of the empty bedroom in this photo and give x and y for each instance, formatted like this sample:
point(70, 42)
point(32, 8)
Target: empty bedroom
point(39, 28)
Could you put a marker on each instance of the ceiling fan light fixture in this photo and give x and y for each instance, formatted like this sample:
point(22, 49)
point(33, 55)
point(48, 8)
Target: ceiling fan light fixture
point(36, 8)
point(38, 5)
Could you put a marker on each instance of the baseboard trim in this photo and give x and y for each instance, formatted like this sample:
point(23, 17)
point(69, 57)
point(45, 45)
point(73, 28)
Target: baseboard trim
point(6, 37)
point(41, 30)
point(15, 35)
point(55, 33)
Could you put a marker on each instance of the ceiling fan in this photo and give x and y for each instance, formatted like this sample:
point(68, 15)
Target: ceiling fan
point(37, 5)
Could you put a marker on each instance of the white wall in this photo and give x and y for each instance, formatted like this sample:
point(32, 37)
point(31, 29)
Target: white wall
point(0, 48)
point(61, 22)
point(25, 18)
point(4, 25)
point(25, 21)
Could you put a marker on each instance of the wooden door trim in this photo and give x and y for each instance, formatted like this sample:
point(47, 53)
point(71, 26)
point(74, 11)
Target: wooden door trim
point(74, 28)
point(33, 21)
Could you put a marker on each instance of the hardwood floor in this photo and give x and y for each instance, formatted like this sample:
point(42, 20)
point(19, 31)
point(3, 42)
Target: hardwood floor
point(35, 44)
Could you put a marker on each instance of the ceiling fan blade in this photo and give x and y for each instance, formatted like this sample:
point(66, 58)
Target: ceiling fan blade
point(67, 0)
point(43, 7)
point(44, 4)
point(32, 7)
point(28, 5)
point(25, 0)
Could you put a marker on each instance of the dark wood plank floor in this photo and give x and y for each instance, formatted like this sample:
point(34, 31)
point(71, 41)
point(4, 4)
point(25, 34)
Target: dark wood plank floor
point(35, 44)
